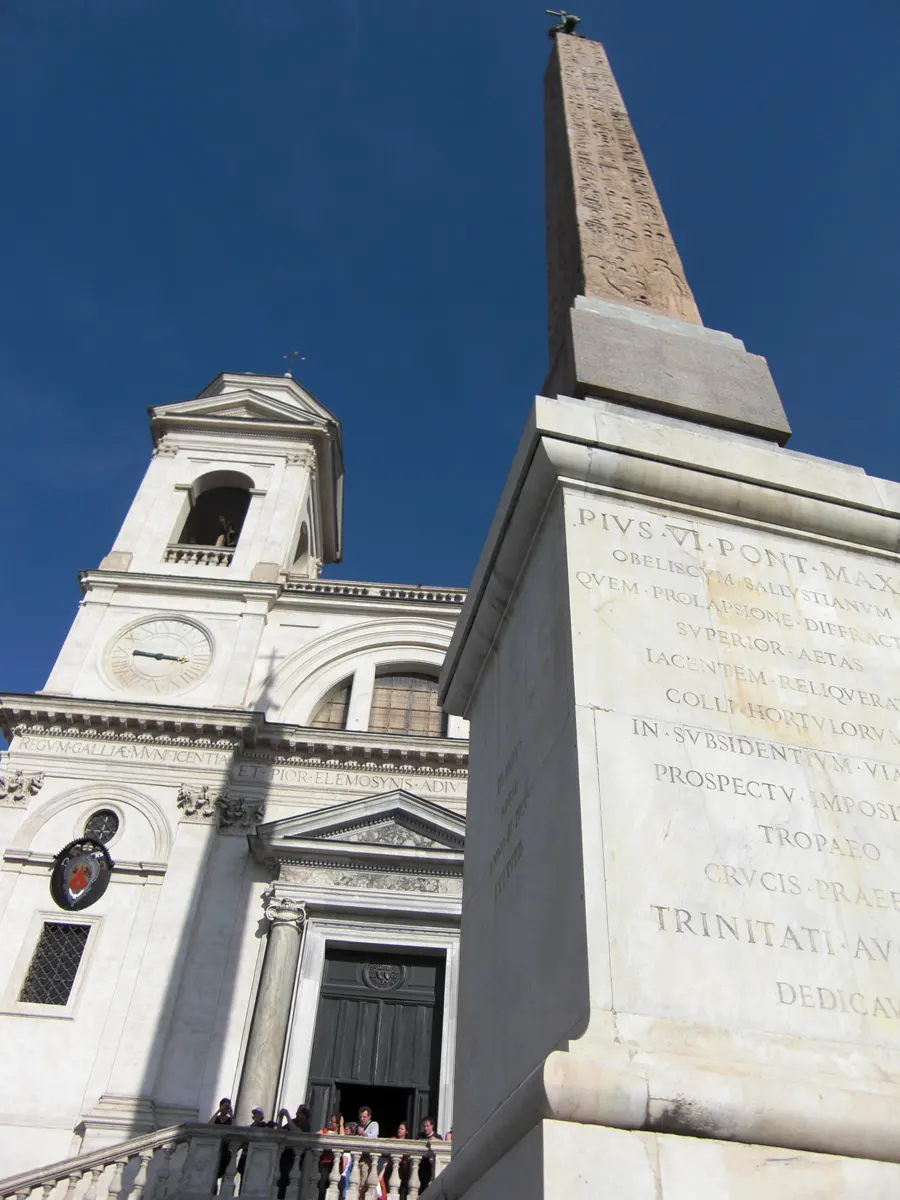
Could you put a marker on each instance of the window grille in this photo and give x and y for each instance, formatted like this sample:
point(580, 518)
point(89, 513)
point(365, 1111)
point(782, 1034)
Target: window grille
point(406, 703)
point(54, 964)
point(332, 712)
point(102, 825)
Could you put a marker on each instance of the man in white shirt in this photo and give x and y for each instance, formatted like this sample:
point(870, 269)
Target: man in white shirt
point(367, 1126)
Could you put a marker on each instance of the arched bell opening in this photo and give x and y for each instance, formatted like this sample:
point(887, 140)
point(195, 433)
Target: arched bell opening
point(219, 503)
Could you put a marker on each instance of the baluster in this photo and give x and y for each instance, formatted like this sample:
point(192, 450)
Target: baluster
point(276, 1174)
point(115, 1184)
point(352, 1192)
point(74, 1180)
point(393, 1175)
point(226, 1188)
point(164, 1167)
point(140, 1180)
point(412, 1192)
point(90, 1192)
point(314, 1173)
point(440, 1161)
point(177, 1171)
point(47, 1189)
point(365, 1178)
point(334, 1176)
point(373, 1188)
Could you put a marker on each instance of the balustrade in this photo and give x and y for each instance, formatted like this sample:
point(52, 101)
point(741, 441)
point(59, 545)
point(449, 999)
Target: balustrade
point(183, 1163)
point(201, 556)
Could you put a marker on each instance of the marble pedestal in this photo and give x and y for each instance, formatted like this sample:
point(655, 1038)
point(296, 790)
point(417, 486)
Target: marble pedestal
point(680, 658)
point(561, 1160)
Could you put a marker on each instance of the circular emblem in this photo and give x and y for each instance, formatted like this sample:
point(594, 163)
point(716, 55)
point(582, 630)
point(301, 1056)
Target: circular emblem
point(80, 874)
point(159, 656)
point(383, 976)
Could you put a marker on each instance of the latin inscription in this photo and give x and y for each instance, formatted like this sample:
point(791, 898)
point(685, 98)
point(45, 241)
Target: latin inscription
point(124, 752)
point(352, 781)
point(746, 696)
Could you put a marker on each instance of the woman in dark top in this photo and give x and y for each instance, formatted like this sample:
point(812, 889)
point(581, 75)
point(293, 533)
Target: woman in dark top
point(224, 1115)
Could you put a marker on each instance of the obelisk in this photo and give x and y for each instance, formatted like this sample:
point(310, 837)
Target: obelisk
point(622, 320)
point(680, 660)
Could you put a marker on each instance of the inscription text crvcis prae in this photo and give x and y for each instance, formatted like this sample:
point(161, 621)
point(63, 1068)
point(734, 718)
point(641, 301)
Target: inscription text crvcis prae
point(752, 685)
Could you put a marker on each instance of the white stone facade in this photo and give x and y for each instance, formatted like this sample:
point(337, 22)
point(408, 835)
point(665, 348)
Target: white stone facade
point(182, 701)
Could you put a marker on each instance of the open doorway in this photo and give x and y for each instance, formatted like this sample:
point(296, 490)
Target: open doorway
point(389, 1105)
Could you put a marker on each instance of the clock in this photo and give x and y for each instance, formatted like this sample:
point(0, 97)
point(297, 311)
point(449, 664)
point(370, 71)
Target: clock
point(159, 656)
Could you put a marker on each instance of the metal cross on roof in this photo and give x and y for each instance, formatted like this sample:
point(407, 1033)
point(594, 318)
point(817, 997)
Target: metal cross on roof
point(289, 373)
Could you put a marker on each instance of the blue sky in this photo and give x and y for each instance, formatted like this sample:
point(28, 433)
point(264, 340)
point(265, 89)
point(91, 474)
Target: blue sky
point(206, 185)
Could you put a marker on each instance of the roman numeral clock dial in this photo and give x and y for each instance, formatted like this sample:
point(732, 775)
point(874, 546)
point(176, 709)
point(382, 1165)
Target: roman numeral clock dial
point(159, 656)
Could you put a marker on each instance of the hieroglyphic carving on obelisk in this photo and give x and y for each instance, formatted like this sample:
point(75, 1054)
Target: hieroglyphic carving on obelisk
point(606, 232)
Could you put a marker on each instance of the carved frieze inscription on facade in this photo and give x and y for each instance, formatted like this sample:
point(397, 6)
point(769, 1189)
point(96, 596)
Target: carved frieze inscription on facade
point(627, 253)
point(364, 782)
point(745, 691)
point(450, 785)
point(144, 753)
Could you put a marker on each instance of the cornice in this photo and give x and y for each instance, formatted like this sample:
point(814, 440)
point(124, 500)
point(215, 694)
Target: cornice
point(230, 729)
point(190, 441)
point(319, 592)
point(199, 585)
point(42, 862)
point(377, 591)
point(315, 853)
point(240, 427)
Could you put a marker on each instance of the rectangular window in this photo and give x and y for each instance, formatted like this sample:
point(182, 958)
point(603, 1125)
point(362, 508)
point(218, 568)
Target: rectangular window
point(54, 963)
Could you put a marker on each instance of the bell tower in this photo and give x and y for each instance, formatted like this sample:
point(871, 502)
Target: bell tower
point(243, 494)
point(246, 482)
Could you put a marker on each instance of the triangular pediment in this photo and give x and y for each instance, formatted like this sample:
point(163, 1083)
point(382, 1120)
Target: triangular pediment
point(397, 819)
point(249, 404)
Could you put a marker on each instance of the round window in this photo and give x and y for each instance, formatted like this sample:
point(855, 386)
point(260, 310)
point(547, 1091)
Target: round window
point(102, 825)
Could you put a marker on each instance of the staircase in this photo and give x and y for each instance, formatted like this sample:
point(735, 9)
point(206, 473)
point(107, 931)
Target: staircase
point(183, 1163)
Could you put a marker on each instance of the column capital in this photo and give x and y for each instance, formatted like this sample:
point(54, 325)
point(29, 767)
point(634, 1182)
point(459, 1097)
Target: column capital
point(284, 910)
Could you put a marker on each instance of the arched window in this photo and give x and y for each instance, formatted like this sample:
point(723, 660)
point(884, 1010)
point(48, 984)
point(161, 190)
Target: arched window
point(332, 710)
point(406, 703)
point(219, 503)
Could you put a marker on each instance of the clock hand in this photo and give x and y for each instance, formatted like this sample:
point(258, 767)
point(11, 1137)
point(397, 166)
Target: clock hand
point(157, 656)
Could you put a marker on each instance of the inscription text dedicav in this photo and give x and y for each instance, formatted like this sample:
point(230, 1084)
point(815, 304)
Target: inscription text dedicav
point(745, 689)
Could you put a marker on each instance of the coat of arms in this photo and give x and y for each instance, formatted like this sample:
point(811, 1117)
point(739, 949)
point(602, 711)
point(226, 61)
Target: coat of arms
point(80, 874)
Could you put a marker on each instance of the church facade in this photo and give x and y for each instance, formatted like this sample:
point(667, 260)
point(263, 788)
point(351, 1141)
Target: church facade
point(260, 756)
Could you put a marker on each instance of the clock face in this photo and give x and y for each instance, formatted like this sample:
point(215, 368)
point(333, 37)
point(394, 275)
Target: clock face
point(159, 656)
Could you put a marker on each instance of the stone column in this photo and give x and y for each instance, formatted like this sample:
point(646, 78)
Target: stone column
point(268, 1030)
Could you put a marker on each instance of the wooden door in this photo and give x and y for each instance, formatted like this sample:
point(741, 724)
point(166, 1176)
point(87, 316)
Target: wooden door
point(378, 1025)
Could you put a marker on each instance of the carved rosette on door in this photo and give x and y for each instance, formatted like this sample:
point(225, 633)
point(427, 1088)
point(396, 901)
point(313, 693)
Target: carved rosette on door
point(384, 977)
